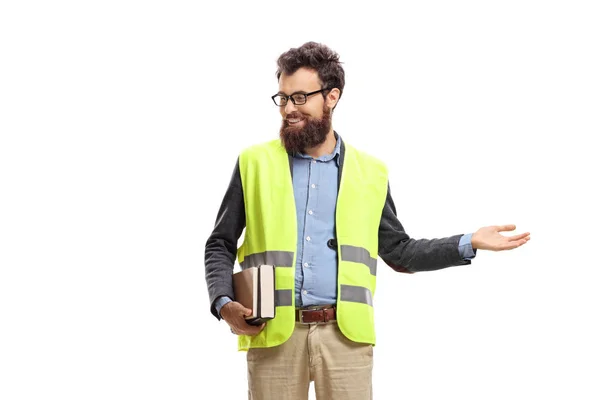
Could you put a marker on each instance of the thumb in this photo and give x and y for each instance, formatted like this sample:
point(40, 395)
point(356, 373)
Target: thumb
point(246, 311)
point(503, 228)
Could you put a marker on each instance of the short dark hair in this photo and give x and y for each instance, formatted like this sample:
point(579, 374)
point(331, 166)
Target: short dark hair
point(314, 56)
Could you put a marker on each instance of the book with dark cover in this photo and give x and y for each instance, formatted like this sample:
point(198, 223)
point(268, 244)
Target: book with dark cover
point(254, 288)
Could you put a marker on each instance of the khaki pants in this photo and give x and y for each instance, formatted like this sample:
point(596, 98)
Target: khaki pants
point(339, 367)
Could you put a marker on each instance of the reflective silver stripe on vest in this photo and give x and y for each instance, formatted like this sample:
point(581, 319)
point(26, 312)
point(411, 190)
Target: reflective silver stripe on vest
point(277, 258)
point(357, 294)
point(283, 297)
point(359, 255)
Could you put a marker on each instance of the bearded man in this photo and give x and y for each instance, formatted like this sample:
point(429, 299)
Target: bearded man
point(321, 212)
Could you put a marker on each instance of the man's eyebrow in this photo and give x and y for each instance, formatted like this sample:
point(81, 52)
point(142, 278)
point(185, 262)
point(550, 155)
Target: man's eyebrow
point(296, 92)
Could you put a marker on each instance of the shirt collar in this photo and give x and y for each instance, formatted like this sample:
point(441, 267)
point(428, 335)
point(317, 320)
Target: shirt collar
point(327, 157)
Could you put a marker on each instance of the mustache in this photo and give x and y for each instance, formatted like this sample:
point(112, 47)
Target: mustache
point(295, 115)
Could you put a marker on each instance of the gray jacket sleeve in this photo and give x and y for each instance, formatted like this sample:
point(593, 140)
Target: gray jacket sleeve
point(405, 254)
point(221, 247)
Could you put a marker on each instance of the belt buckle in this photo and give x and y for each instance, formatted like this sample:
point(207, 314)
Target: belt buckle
point(301, 317)
point(323, 321)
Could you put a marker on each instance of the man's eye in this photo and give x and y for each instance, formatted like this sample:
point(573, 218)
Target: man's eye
point(298, 98)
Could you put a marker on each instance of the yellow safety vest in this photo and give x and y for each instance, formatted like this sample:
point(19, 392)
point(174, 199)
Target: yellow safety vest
point(271, 233)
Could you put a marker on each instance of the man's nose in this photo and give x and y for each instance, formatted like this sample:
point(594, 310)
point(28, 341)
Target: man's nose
point(290, 107)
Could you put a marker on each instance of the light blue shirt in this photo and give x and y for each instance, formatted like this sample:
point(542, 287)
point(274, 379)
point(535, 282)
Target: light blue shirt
point(315, 191)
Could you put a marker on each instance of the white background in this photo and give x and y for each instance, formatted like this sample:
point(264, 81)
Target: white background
point(120, 125)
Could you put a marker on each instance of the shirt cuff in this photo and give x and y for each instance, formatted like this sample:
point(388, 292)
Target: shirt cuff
point(221, 301)
point(465, 249)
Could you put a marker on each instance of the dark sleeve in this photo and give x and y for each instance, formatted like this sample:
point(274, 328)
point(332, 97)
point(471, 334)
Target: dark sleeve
point(405, 254)
point(221, 247)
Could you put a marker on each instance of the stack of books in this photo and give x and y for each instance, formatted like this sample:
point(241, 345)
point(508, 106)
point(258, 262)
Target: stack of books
point(254, 288)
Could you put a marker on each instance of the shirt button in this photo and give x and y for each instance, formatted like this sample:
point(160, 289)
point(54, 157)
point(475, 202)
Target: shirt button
point(306, 265)
point(313, 186)
point(305, 291)
point(308, 238)
point(314, 161)
point(310, 212)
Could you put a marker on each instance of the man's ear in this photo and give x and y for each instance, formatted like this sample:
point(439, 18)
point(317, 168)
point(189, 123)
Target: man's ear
point(332, 97)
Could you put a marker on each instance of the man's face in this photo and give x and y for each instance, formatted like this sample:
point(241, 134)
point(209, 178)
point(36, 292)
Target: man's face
point(307, 125)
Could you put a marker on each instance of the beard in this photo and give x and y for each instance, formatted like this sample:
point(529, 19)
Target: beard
point(313, 133)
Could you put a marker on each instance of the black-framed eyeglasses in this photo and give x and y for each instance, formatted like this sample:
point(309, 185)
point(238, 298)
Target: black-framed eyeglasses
point(298, 99)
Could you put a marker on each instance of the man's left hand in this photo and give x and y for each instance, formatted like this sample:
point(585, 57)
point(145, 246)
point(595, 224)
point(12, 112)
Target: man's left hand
point(489, 238)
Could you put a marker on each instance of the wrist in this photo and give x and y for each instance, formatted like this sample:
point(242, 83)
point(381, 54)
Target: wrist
point(474, 241)
point(220, 303)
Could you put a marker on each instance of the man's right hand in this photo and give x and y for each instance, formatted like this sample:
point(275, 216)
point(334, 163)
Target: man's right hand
point(233, 313)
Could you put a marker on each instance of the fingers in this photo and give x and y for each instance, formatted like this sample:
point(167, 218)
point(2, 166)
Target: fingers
point(514, 244)
point(519, 237)
point(235, 314)
point(238, 323)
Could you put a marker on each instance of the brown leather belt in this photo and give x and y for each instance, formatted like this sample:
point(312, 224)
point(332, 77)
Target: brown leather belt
point(311, 316)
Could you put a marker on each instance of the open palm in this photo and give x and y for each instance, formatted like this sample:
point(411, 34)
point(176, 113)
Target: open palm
point(489, 238)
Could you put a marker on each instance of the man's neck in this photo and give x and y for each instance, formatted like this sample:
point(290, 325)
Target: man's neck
point(324, 148)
